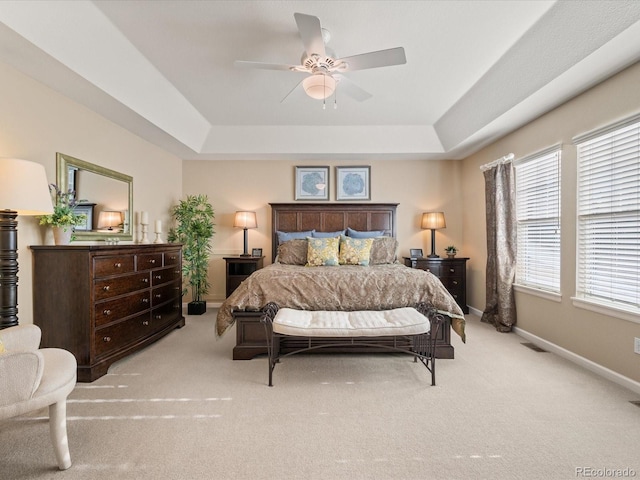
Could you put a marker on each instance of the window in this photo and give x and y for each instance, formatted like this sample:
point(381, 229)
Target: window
point(608, 268)
point(538, 220)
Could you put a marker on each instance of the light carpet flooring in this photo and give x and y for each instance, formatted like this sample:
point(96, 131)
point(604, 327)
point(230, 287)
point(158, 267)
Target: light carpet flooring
point(183, 409)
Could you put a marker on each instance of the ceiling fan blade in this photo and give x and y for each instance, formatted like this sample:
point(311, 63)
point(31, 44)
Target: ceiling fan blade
point(264, 66)
point(310, 33)
point(381, 58)
point(349, 88)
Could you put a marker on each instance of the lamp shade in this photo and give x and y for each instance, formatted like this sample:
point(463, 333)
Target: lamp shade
point(24, 187)
point(433, 220)
point(319, 86)
point(245, 220)
point(109, 219)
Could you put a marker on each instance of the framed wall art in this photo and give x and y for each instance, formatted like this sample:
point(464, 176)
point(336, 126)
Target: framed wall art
point(312, 183)
point(353, 183)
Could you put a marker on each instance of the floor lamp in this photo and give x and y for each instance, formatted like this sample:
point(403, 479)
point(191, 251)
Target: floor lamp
point(24, 190)
point(433, 221)
point(245, 220)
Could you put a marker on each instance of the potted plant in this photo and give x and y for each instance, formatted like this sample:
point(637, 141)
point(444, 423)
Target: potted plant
point(451, 251)
point(194, 218)
point(63, 218)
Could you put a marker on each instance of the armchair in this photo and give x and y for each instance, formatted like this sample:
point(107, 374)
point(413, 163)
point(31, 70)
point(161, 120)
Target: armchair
point(33, 378)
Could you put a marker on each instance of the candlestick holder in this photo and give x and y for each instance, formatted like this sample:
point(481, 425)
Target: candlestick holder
point(144, 227)
point(158, 238)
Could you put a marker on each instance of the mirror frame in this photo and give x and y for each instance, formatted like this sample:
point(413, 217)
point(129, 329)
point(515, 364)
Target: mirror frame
point(63, 162)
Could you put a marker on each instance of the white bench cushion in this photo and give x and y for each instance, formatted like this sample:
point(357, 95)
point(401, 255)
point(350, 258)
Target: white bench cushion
point(365, 323)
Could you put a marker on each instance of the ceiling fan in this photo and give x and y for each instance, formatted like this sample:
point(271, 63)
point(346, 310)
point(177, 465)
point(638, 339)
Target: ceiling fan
point(325, 71)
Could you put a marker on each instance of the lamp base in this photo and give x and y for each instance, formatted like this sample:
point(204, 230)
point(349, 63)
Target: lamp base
point(433, 255)
point(245, 254)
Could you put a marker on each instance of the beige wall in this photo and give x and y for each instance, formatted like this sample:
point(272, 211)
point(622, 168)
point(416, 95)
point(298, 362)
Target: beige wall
point(252, 185)
point(36, 122)
point(605, 340)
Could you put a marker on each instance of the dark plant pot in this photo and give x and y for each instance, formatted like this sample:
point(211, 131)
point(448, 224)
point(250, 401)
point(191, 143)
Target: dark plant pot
point(196, 308)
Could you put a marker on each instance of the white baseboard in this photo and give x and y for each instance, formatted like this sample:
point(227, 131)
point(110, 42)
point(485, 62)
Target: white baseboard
point(598, 369)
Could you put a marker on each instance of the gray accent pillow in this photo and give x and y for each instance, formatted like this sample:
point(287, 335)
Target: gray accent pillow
point(293, 252)
point(384, 250)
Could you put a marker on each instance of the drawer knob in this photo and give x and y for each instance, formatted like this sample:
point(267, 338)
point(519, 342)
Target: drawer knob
point(158, 317)
point(455, 282)
point(152, 261)
point(117, 265)
point(106, 339)
point(145, 300)
point(145, 280)
point(145, 323)
point(173, 257)
point(158, 295)
point(158, 277)
point(106, 312)
point(106, 288)
point(452, 270)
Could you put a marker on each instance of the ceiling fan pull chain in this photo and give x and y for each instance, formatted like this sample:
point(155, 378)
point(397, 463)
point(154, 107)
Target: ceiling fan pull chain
point(324, 89)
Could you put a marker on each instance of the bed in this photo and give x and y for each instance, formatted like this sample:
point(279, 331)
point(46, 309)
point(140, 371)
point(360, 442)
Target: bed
point(382, 285)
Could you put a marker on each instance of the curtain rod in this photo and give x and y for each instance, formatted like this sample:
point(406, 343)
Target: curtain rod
point(505, 159)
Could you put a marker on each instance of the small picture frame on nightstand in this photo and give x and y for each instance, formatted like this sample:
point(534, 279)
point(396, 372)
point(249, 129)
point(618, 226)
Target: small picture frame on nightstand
point(256, 252)
point(415, 253)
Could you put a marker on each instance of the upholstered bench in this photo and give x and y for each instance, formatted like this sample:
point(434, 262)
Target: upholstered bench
point(412, 330)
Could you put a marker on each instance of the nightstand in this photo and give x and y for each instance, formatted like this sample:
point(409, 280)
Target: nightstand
point(239, 268)
point(452, 272)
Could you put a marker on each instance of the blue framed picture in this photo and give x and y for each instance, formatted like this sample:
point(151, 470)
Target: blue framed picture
point(353, 183)
point(312, 183)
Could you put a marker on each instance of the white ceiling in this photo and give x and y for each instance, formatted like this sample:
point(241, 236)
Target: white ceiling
point(165, 70)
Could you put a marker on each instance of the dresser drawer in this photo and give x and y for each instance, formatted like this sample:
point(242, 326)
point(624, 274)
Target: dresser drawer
point(453, 270)
point(149, 260)
point(167, 292)
point(112, 287)
point(114, 337)
point(113, 265)
point(112, 310)
point(158, 277)
point(172, 258)
point(167, 313)
point(428, 266)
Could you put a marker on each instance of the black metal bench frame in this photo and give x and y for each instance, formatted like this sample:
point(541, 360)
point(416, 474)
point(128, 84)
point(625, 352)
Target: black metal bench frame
point(421, 346)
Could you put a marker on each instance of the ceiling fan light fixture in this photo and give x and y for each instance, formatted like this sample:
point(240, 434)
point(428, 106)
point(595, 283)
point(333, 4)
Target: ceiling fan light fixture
point(319, 86)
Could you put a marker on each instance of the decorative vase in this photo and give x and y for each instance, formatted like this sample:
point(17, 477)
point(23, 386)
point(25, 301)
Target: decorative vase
point(451, 255)
point(62, 235)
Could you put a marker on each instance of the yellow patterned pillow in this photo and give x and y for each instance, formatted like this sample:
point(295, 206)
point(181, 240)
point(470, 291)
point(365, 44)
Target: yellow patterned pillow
point(355, 251)
point(322, 251)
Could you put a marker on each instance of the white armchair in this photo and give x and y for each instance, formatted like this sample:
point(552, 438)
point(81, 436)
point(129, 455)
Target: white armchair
point(32, 378)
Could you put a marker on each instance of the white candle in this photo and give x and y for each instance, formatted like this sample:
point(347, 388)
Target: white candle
point(144, 218)
point(158, 226)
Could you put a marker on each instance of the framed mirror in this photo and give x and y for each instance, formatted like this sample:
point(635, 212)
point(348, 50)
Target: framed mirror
point(105, 195)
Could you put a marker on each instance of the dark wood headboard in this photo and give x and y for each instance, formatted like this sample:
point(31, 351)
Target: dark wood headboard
point(331, 217)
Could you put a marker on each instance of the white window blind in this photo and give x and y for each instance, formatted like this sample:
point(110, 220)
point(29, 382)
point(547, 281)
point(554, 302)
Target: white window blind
point(538, 220)
point(609, 217)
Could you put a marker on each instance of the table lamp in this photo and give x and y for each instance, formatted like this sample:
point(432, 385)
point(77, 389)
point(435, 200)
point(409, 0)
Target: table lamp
point(433, 221)
point(245, 220)
point(24, 190)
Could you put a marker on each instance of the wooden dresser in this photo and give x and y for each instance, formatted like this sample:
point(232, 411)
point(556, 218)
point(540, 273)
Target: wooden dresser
point(452, 272)
point(103, 302)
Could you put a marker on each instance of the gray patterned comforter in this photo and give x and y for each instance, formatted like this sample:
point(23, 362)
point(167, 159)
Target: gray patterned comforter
point(347, 287)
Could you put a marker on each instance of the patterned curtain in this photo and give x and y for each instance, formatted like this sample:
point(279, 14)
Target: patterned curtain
point(500, 310)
